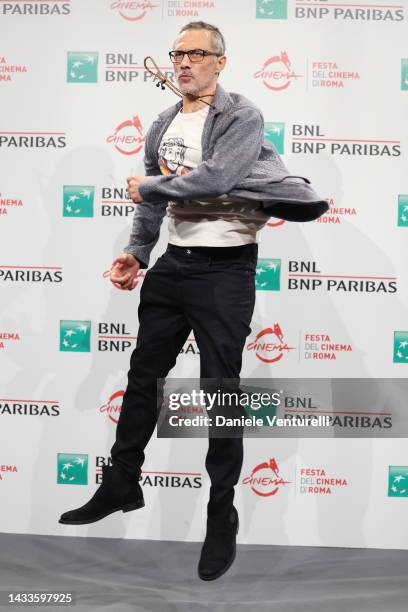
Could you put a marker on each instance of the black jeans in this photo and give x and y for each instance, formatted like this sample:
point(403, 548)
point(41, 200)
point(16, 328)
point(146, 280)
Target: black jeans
point(210, 290)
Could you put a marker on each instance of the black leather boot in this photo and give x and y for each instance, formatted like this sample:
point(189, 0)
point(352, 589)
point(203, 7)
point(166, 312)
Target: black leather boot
point(115, 493)
point(219, 548)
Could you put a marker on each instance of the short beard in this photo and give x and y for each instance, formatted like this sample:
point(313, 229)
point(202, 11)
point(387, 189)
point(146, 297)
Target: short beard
point(191, 89)
point(187, 90)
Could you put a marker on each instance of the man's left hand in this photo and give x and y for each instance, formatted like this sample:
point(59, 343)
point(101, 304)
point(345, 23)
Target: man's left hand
point(134, 183)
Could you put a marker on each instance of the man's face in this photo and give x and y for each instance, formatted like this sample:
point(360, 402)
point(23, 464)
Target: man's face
point(195, 78)
point(172, 152)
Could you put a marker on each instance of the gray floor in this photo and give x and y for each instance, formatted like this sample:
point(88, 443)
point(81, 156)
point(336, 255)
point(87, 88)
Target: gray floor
point(138, 575)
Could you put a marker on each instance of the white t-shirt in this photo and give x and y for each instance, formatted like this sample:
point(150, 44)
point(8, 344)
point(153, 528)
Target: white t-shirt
point(194, 223)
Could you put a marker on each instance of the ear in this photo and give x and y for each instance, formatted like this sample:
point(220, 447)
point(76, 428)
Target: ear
point(221, 61)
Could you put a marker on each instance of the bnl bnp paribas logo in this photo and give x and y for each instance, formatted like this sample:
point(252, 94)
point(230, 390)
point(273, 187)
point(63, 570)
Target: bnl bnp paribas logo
point(271, 9)
point(72, 469)
point(403, 210)
point(75, 336)
point(268, 275)
point(274, 133)
point(398, 481)
point(78, 201)
point(400, 347)
point(82, 67)
point(404, 74)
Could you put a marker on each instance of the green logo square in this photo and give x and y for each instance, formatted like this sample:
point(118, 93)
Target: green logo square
point(75, 336)
point(271, 9)
point(78, 201)
point(268, 275)
point(403, 210)
point(398, 481)
point(275, 134)
point(72, 469)
point(404, 74)
point(82, 67)
point(263, 412)
point(400, 347)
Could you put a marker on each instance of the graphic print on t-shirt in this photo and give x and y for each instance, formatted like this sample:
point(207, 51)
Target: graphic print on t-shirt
point(172, 152)
point(197, 222)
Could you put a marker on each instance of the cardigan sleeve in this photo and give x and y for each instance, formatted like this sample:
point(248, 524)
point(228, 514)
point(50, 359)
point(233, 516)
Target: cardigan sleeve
point(234, 153)
point(148, 216)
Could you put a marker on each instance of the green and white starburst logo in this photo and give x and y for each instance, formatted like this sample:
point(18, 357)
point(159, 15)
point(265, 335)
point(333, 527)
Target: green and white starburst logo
point(72, 469)
point(268, 275)
point(275, 134)
point(271, 9)
point(78, 201)
point(404, 74)
point(398, 481)
point(403, 210)
point(82, 67)
point(400, 347)
point(260, 411)
point(75, 336)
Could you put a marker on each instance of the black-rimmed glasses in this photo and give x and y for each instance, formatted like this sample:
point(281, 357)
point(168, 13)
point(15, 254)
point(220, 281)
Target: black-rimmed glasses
point(194, 55)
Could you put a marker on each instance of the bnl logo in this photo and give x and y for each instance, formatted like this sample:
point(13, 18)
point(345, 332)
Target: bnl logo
point(268, 275)
point(397, 481)
point(400, 347)
point(78, 201)
point(271, 9)
point(72, 468)
point(275, 134)
point(75, 336)
point(403, 210)
point(82, 67)
point(404, 74)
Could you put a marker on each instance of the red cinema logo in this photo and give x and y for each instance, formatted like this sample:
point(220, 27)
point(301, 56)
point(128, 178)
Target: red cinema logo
point(262, 481)
point(277, 223)
point(113, 406)
point(277, 73)
point(265, 347)
point(128, 137)
point(133, 11)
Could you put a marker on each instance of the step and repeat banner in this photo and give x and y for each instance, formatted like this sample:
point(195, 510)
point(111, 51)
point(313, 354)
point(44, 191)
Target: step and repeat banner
point(332, 295)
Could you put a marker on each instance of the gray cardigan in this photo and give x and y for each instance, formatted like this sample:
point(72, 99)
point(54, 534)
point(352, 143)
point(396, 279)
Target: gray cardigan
point(237, 163)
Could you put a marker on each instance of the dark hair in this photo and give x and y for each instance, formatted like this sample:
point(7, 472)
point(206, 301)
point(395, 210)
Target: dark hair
point(218, 41)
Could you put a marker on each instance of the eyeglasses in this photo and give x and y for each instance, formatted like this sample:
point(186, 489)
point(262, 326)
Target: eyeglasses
point(194, 55)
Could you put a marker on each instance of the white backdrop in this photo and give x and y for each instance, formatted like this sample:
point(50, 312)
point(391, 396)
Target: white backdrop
point(76, 102)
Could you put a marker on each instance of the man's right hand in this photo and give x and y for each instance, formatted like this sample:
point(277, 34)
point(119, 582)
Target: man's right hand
point(124, 271)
